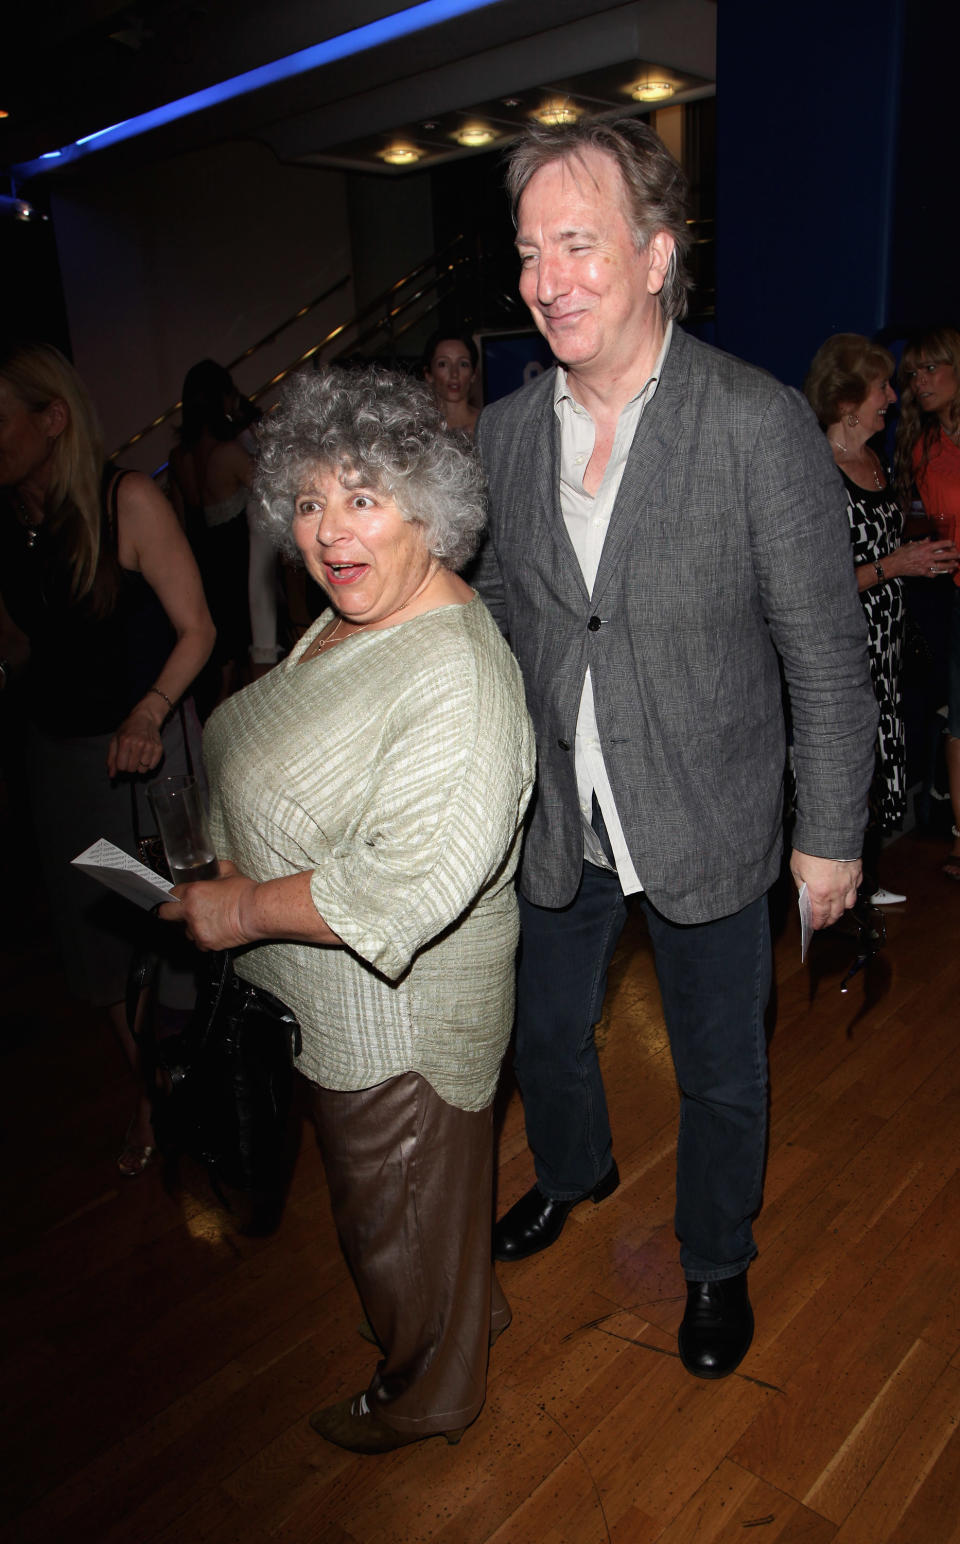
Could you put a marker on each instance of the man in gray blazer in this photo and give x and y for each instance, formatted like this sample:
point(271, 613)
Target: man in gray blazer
point(667, 530)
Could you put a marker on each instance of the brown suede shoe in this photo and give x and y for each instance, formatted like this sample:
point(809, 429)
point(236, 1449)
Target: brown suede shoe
point(352, 1425)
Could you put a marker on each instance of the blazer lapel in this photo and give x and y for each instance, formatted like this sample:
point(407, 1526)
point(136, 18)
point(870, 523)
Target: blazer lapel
point(547, 522)
point(646, 474)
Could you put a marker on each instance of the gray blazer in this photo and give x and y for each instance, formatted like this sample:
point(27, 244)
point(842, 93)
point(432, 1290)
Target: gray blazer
point(728, 556)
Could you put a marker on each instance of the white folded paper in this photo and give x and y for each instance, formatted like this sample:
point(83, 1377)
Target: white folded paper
point(128, 876)
point(806, 920)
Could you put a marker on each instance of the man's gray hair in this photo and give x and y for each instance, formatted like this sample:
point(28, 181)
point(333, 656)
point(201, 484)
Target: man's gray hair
point(380, 429)
point(655, 187)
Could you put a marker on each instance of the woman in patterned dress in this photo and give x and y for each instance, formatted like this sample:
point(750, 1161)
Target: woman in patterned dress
point(849, 389)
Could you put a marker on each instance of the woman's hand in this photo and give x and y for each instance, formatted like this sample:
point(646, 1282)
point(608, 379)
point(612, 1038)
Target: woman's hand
point(926, 559)
point(215, 912)
point(136, 747)
point(232, 910)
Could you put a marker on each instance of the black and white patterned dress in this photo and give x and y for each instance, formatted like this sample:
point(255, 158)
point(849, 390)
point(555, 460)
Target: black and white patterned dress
point(876, 528)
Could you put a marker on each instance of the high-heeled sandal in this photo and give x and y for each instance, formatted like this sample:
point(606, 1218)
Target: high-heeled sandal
point(351, 1424)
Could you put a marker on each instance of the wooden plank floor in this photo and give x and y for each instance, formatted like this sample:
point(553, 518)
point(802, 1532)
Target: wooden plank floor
point(158, 1366)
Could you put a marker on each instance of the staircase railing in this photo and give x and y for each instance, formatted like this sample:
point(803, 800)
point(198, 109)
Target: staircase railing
point(389, 315)
point(254, 348)
point(384, 319)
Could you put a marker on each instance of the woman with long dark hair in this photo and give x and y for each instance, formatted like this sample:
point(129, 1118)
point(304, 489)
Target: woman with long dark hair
point(449, 369)
point(210, 472)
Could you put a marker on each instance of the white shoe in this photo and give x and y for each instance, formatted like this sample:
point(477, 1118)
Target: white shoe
point(883, 897)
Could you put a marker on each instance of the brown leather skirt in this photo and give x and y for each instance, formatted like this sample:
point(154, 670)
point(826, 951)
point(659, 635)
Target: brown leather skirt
point(411, 1181)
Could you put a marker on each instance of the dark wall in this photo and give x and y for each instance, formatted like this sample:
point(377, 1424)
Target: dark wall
point(32, 305)
point(807, 166)
point(925, 255)
point(469, 200)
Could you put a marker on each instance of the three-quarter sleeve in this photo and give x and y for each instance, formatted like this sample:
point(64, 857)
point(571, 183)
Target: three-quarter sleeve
point(440, 810)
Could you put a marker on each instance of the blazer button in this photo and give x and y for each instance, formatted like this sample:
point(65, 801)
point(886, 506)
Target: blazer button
point(595, 624)
point(564, 744)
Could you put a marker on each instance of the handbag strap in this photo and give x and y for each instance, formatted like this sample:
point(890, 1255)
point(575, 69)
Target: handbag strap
point(133, 780)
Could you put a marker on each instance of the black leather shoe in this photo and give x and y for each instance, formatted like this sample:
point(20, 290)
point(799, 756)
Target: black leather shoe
point(536, 1221)
point(717, 1327)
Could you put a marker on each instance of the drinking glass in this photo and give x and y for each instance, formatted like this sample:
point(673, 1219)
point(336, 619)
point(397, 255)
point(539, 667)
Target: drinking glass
point(177, 804)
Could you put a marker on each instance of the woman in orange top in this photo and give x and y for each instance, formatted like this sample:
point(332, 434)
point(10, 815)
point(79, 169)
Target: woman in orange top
point(928, 455)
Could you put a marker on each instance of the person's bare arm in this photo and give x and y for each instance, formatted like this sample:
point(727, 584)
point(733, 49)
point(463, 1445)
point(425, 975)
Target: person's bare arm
point(151, 541)
point(14, 646)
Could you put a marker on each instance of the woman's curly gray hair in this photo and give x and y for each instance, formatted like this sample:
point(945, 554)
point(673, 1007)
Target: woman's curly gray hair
point(384, 430)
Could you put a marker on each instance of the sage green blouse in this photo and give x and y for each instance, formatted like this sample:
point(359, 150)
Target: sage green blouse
point(397, 768)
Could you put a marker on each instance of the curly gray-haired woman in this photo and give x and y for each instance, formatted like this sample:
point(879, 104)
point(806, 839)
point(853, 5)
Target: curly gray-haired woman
point(366, 799)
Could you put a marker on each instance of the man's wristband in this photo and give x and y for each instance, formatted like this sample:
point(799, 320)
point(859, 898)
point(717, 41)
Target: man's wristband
point(880, 573)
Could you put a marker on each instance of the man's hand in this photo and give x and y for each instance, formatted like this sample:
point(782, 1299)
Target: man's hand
point(832, 884)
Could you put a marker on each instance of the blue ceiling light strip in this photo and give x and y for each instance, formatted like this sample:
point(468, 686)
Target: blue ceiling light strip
point(401, 24)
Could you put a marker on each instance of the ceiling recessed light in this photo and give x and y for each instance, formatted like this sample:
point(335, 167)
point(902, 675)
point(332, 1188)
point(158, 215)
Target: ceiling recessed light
point(652, 90)
point(511, 101)
point(474, 134)
point(556, 113)
point(401, 155)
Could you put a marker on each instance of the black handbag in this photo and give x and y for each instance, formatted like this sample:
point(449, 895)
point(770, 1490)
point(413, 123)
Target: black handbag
point(223, 1087)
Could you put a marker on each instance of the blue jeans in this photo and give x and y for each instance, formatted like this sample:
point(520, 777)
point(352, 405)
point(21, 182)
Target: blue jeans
point(714, 982)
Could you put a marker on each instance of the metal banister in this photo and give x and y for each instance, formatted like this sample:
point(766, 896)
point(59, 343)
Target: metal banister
point(168, 413)
point(383, 305)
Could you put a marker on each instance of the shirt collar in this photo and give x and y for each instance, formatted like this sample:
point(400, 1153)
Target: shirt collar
point(562, 392)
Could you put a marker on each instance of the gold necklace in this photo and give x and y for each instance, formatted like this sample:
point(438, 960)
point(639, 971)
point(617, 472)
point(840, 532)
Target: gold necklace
point(868, 457)
point(334, 636)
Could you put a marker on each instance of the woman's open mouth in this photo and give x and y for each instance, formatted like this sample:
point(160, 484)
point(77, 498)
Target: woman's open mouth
point(345, 573)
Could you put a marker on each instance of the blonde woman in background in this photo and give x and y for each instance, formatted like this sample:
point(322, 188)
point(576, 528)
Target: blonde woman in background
point(106, 628)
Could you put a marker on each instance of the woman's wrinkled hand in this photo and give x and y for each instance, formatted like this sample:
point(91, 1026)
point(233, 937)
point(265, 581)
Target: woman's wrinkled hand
point(215, 912)
point(927, 559)
point(136, 747)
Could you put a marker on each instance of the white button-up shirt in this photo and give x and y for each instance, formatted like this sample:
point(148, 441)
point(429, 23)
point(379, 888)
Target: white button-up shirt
point(587, 519)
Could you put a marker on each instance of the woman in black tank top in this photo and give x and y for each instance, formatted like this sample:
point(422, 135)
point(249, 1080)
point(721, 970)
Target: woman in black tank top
point(103, 628)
